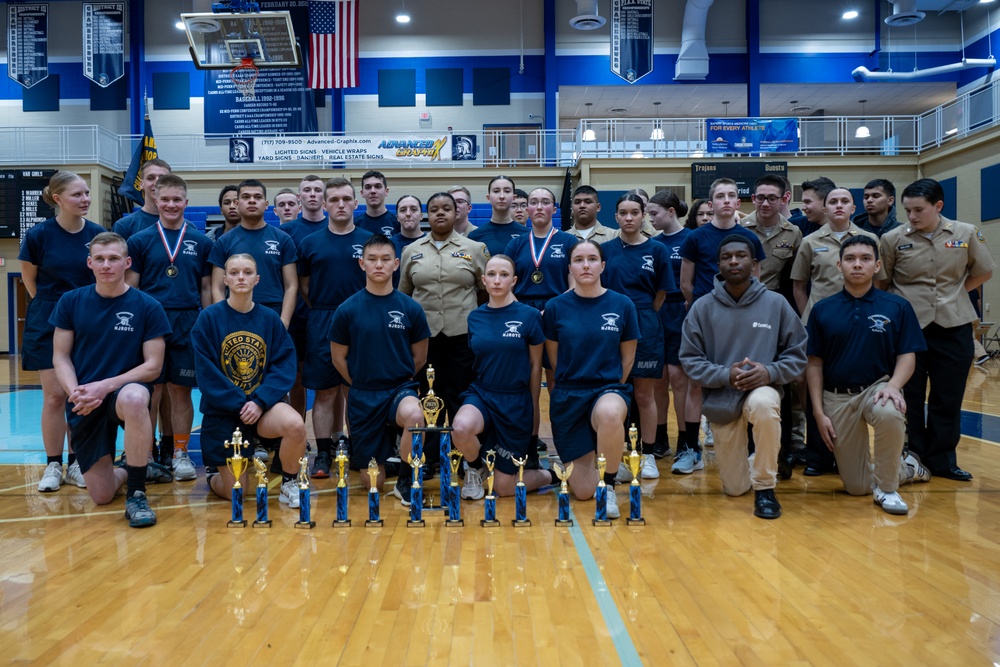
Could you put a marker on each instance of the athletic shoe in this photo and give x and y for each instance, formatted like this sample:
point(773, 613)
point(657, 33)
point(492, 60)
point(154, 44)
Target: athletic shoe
point(982, 360)
point(624, 475)
point(473, 487)
point(138, 512)
point(210, 472)
point(402, 492)
point(183, 468)
point(52, 478)
point(649, 469)
point(321, 466)
point(661, 450)
point(613, 512)
point(919, 472)
point(290, 494)
point(260, 453)
point(709, 436)
point(158, 474)
point(891, 503)
point(74, 476)
point(687, 463)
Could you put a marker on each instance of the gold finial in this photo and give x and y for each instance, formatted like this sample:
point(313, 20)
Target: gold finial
point(373, 474)
point(491, 460)
point(261, 472)
point(237, 463)
point(304, 472)
point(341, 460)
point(431, 404)
point(520, 468)
point(563, 475)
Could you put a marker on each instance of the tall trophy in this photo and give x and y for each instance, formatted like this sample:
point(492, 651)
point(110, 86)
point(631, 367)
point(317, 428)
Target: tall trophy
point(237, 465)
point(374, 519)
point(601, 494)
point(454, 494)
point(634, 489)
point(490, 502)
point(416, 461)
point(262, 521)
point(520, 496)
point(341, 521)
point(305, 520)
point(432, 405)
point(563, 474)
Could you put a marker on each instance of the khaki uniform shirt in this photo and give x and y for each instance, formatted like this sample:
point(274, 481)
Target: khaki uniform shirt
point(931, 273)
point(780, 247)
point(817, 261)
point(444, 281)
point(468, 228)
point(600, 234)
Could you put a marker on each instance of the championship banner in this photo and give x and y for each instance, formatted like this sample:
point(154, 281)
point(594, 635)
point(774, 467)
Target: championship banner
point(104, 42)
point(631, 38)
point(388, 148)
point(28, 43)
point(283, 103)
point(752, 135)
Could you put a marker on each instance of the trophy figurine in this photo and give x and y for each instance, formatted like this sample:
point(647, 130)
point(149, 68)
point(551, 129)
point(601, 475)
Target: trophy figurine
point(634, 489)
point(237, 465)
point(262, 518)
point(520, 496)
point(374, 520)
point(454, 495)
point(601, 494)
point(305, 521)
point(490, 502)
point(416, 492)
point(341, 521)
point(563, 474)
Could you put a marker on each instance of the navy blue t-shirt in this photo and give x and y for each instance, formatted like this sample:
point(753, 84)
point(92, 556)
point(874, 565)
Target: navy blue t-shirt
point(134, 222)
point(499, 338)
point(858, 339)
point(300, 228)
point(637, 271)
point(108, 333)
point(590, 333)
point(269, 246)
point(331, 263)
point(150, 261)
point(554, 264)
point(61, 257)
point(702, 247)
point(400, 242)
point(379, 331)
point(673, 243)
point(496, 237)
point(385, 224)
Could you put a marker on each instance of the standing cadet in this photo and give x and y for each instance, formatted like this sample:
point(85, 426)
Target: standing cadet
point(376, 219)
point(286, 205)
point(463, 200)
point(410, 213)
point(146, 216)
point(519, 207)
point(586, 206)
point(880, 209)
point(501, 228)
point(230, 210)
point(812, 215)
point(780, 238)
point(933, 263)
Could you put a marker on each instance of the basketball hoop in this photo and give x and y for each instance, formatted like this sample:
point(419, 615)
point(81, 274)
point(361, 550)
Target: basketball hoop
point(244, 77)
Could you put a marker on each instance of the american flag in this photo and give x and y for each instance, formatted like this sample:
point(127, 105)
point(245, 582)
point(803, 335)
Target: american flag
point(333, 44)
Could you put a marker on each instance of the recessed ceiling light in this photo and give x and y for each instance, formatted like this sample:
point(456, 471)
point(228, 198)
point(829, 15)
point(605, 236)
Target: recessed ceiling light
point(179, 25)
point(402, 18)
point(850, 15)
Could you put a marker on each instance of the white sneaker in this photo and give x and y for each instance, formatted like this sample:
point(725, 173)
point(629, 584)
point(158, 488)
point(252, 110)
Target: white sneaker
point(891, 503)
point(918, 472)
point(183, 467)
point(259, 453)
point(473, 487)
point(613, 512)
point(709, 436)
point(290, 494)
point(52, 478)
point(649, 469)
point(74, 476)
point(624, 475)
point(687, 463)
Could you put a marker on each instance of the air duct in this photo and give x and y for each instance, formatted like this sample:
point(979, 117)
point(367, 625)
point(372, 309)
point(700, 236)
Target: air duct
point(692, 61)
point(904, 12)
point(587, 17)
point(865, 74)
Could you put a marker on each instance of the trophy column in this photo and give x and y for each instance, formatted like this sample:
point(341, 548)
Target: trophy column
point(489, 519)
point(634, 489)
point(263, 520)
point(563, 474)
point(454, 494)
point(305, 509)
point(520, 496)
point(237, 465)
point(374, 518)
point(601, 494)
point(341, 521)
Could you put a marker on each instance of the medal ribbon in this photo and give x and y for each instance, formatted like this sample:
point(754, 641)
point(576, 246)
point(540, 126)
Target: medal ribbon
point(537, 259)
point(172, 255)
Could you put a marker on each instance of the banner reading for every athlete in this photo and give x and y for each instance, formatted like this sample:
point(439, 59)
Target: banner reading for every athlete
point(441, 148)
point(752, 135)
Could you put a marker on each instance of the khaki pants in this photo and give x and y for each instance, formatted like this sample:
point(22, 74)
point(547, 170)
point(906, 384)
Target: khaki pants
point(762, 408)
point(851, 415)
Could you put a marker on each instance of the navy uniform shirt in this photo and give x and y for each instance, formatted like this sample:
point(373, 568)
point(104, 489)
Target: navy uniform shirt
point(637, 271)
point(673, 243)
point(385, 224)
point(270, 247)
point(400, 242)
point(330, 261)
point(496, 237)
point(499, 338)
point(858, 339)
point(554, 264)
point(300, 228)
point(61, 257)
point(135, 222)
point(150, 261)
point(702, 247)
point(590, 332)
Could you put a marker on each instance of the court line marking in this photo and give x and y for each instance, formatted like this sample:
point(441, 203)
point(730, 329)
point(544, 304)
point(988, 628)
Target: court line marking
point(627, 653)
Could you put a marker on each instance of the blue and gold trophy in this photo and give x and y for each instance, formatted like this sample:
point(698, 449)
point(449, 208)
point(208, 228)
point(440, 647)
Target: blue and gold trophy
point(601, 494)
point(237, 465)
point(341, 521)
point(305, 519)
point(563, 474)
point(374, 517)
point(262, 520)
point(490, 502)
point(416, 461)
point(432, 405)
point(454, 494)
point(520, 496)
point(634, 489)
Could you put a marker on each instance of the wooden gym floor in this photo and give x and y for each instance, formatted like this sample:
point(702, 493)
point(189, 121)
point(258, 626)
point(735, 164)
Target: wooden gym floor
point(835, 581)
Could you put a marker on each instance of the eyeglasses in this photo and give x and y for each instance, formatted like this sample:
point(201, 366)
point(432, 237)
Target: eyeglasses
point(770, 199)
point(519, 205)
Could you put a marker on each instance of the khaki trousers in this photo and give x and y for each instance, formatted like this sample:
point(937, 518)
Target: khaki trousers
point(762, 409)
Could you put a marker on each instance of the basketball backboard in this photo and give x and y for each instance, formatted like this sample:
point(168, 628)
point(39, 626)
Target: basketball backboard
point(222, 41)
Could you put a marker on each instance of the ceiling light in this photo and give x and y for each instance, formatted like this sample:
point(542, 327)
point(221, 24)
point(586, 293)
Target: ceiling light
point(179, 25)
point(953, 130)
point(862, 132)
point(657, 134)
point(850, 15)
point(589, 134)
point(402, 16)
point(637, 153)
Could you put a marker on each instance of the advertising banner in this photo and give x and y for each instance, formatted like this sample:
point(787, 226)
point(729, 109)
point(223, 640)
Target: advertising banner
point(374, 148)
point(752, 135)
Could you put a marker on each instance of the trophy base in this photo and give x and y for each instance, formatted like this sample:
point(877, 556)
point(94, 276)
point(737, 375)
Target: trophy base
point(635, 522)
point(489, 524)
point(415, 524)
point(602, 523)
point(305, 525)
point(262, 524)
point(456, 523)
point(377, 523)
point(568, 523)
point(521, 524)
point(342, 524)
point(236, 524)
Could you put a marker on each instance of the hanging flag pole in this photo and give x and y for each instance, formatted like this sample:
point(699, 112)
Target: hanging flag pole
point(131, 187)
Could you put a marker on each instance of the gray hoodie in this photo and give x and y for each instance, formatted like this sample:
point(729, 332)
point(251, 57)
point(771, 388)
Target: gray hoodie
point(719, 332)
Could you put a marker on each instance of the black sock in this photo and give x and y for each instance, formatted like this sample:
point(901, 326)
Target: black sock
point(54, 459)
point(555, 478)
point(476, 463)
point(324, 445)
point(661, 433)
point(286, 477)
point(692, 429)
point(609, 478)
point(646, 447)
point(136, 479)
point(681, 441)
point(72, 459)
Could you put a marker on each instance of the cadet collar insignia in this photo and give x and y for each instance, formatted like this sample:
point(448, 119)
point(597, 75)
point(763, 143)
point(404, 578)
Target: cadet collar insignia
point(462, 255)
point(416, 256)
point(783, 244)
point(958, 243)
point(979, 235)
point(946, 225)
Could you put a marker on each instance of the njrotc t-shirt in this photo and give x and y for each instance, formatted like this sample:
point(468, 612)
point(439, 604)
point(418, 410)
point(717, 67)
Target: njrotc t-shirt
point(180, 287)
point(499, 339)
point(590, 332)
point(270, 247)
point(637, 271)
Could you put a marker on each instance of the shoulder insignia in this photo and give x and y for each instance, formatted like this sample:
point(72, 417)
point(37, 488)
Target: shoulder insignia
point(979, 235)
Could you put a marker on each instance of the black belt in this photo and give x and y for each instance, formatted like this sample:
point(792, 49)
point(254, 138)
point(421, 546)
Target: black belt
point(850, 390)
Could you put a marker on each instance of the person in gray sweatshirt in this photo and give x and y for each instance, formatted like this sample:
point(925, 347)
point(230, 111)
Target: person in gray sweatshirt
point(741, 342)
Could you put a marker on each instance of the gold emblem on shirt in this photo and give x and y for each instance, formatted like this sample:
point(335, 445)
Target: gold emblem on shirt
point(244, 355)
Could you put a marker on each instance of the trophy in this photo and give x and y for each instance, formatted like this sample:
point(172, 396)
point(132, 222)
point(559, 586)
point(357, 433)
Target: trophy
point(634, 489)
point(563, 474)
point(341, 521)
point(432, 405)
point(601, 494)
point(520, 496)
point(260, 470)
point(490, 503)
point(454, 495)
point(416, 491)
point(374, 520)
point(305, 521)
point(237, 465)
point(449, 477)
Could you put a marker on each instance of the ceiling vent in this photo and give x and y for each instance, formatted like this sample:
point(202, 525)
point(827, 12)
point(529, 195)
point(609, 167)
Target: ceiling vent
point(587, 17)
point(904, 12)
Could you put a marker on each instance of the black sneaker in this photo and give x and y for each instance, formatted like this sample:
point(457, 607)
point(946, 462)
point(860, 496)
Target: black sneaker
point(158, 474)
point(661, 450)
point(765, 504)
point(321, 466)
point(210, 472)
point(138, 512)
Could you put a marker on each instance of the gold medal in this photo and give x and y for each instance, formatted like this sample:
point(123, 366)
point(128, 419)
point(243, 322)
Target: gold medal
point(537, 277)
point(171, 271)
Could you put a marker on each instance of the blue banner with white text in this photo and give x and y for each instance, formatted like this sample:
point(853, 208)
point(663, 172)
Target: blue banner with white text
point(104, 42)
point(28, 43)
point(752, 135)
point(632, 38)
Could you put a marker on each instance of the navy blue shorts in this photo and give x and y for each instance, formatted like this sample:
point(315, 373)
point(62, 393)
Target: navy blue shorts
point(178, 359)
point(297, 330)
point(216, 429)
point(507, 419)
point(318, 371)
point(93, 435)
point(372, 416)
point(276, 307)
point(672, 320)
point(36, 345)
point(649, 347)
point(570, 410)
point(539, 303)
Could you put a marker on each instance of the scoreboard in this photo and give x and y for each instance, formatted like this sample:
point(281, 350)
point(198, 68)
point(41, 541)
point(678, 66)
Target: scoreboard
point(21, 203)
